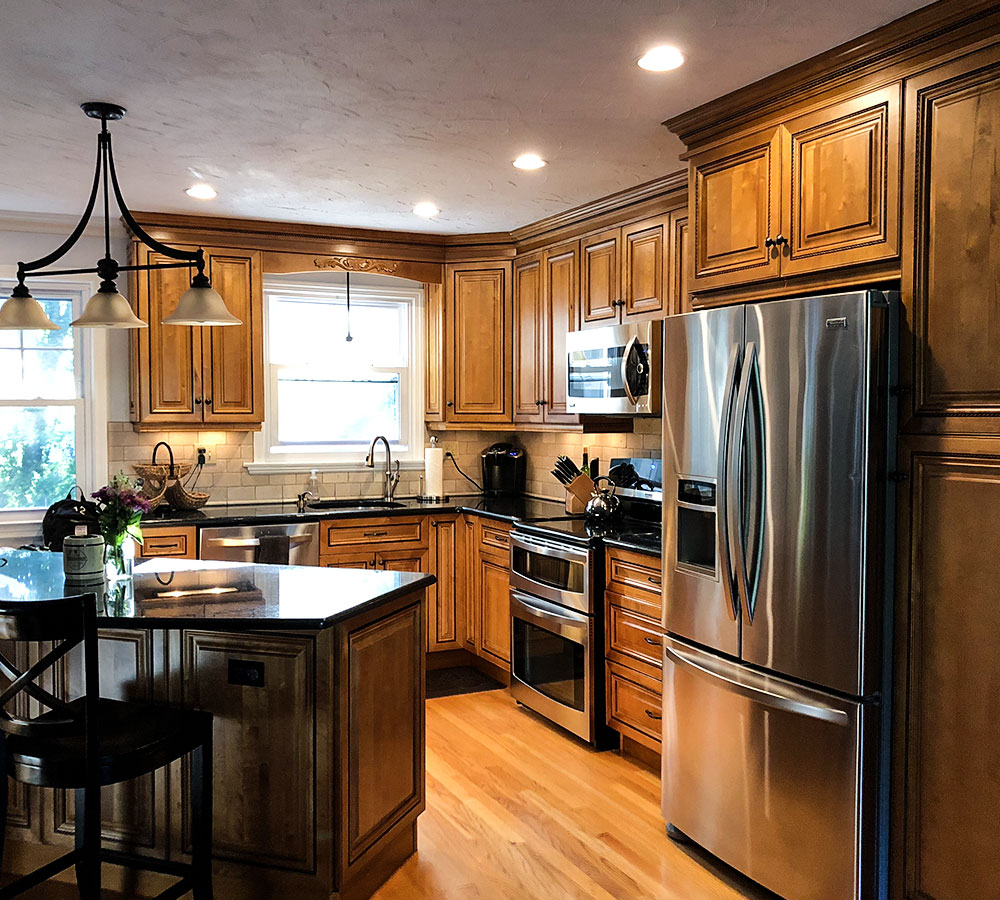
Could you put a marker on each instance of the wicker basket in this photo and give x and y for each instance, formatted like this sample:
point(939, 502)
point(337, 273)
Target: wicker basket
point(180, 498)
point(161, 473)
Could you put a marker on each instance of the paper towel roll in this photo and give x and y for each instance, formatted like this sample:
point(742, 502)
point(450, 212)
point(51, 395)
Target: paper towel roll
point(433, 472)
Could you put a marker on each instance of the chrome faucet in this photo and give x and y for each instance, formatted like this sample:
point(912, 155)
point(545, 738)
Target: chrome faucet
point(391, 477)
point(300, 504)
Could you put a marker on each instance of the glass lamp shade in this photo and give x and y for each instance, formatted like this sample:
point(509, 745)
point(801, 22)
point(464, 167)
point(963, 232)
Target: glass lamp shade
point(108, 309)
point(23, 313)
point(201, 304)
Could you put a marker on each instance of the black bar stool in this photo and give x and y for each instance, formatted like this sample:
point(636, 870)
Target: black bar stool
point(88, 742)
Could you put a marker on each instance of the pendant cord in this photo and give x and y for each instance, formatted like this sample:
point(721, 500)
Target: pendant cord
point(349, 338)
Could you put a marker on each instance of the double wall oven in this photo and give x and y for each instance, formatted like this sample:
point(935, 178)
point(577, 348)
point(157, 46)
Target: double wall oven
point(554, 641)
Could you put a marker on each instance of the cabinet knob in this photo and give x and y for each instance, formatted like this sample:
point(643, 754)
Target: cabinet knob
point(543, 402)
point(197, 401)
point(769, 242)
point(450, 403)
point(538, 403)
point(780, 241)
point(208, 401)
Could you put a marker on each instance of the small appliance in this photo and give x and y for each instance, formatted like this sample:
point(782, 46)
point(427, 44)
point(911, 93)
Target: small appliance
point(614, 370)
point(504, 470)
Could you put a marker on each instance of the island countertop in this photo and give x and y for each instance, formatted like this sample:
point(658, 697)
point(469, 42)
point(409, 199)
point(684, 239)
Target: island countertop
point(179, 593)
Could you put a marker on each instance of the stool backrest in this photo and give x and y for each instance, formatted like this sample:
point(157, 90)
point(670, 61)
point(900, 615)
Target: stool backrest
point(66, 623)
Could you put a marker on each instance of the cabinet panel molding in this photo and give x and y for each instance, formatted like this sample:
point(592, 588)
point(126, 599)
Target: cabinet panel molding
point(529, 338)
point(600, 276)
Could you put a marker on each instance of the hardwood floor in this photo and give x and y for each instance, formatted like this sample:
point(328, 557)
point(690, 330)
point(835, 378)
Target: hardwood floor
point(517, 809)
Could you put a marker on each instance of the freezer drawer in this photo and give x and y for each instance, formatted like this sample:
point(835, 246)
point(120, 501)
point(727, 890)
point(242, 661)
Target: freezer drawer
point(767, 775)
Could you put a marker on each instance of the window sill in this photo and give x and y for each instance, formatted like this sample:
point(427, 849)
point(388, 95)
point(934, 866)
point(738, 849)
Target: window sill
point(299, 468)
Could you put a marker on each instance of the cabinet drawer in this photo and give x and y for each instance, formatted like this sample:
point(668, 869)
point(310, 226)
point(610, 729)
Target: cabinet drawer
point(496, 536)
point(396, 530)
point(635, 636)
point(636, 575)
point(633, 707)
point(179, 542)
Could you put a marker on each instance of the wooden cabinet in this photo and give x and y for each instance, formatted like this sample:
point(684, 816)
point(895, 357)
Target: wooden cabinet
point(444, 615)
point(468, 580)
point(478, 344)
point(947, 784)
point(494, 609)
point(546, 298)
point(679, 265)
point(952, 264)
point(434, 387)
point(626, 273)
point(819, 192)
point(169, 541)
point(633, 645)
point(185, 377)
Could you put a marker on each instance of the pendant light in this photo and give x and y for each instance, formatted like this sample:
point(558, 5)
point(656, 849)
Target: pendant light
point(200, 305)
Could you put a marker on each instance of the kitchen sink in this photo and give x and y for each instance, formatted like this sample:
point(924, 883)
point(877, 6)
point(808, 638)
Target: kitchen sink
point(354, 504)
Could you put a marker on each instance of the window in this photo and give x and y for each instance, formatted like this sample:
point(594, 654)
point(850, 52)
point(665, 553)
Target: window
point(51, 420)
point(328, 396)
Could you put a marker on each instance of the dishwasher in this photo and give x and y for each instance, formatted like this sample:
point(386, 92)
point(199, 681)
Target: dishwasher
point(296, 544)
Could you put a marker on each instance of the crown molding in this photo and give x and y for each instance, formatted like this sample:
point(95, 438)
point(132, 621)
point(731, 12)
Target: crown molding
point(665, 188)
point(906, 43)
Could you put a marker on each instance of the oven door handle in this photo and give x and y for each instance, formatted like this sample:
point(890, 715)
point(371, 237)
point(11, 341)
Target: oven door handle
point(530, 545)
point(568, 623)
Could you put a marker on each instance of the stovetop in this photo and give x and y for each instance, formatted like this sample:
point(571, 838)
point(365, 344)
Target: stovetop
point(577, 530)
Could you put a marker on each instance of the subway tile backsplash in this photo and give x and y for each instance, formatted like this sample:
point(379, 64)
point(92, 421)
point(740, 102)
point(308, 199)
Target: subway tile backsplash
point(229, 482)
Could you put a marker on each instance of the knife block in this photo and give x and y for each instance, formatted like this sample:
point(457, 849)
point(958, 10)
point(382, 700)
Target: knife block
point(578, 493)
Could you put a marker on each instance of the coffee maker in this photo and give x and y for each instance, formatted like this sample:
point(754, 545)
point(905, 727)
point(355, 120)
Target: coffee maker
point(504, 470)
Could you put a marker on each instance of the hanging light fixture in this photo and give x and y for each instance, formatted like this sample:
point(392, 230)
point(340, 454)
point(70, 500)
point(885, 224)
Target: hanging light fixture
point(200, 305)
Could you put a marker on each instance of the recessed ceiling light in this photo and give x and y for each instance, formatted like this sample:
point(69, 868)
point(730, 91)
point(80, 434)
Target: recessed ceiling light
point(661, 59)
point(529, 161)
point(426, 209)
point(201, 191)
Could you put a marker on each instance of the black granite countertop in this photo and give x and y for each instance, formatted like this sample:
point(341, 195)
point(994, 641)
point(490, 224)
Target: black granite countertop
point(179, 593)
point(509, 509)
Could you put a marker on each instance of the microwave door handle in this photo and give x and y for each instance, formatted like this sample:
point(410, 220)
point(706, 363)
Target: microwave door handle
point(632, 341)
point(721, 494)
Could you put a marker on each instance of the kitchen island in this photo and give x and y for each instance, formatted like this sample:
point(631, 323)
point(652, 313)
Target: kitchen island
point(316, 680)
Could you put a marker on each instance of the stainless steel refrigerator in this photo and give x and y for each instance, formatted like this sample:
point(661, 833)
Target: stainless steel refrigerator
point(778, 430)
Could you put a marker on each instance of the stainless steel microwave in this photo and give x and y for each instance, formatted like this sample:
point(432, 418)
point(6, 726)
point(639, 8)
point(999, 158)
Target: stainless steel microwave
point(615, 370)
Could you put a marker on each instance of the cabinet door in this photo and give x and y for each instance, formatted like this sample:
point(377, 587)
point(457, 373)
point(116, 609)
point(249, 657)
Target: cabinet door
point(643, 268)
point(479, 343)
point(407, 559)
point(494, 625)
point(840, 168)
point(951, 265)
point(529, 356)
point(562, 315)
point(349, 559)
point(678, 276)
point(181, 543)
point(443, 629)
point(600, 277)
point(946, 734)
point(271, 724)
point(434, 377)
point(736, 199)
point(167, 371)
point(469, 582)
point(234, 355)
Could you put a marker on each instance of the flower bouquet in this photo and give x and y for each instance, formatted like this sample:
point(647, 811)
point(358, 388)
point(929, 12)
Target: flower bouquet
point(120, 508)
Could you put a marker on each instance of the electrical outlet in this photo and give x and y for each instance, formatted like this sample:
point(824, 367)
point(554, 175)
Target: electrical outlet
point(206, 456)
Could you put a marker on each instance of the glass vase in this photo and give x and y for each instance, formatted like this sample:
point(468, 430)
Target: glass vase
point(119, 558)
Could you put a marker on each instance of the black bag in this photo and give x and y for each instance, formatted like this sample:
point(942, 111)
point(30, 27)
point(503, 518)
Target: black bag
point(63, 517)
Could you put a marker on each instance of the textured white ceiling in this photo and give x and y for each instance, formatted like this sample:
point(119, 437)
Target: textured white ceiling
point(349, 113)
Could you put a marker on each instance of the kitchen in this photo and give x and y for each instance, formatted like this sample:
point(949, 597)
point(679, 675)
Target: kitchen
point(853, 174)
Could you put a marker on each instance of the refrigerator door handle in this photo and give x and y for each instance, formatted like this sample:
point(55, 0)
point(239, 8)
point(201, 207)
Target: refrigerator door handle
point(758, 693)
point(735, 513)
point(722, 515)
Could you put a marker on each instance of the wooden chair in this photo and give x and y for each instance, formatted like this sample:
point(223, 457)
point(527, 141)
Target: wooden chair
point(88, 742)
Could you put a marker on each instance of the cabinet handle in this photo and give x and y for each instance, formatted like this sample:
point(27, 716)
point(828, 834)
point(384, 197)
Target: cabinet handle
point(197, 401)
point(780, 241)
point(653, 715)
point(654, 579)
point(769, 243)
point(208, 401)
point(654, 641)
point(375, 533)
point(543, 402)
point(538, 403)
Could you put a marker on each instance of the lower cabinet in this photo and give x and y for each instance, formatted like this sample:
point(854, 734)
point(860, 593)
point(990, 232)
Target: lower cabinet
point(634, 646)
point(181, 543)
point(494, 610)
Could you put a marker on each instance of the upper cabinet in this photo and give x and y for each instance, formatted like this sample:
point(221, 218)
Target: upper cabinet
point(952, 263)
point(818, 192)
point(625, 273)
point(184, 377)
point(469, 379)
point(546, 307)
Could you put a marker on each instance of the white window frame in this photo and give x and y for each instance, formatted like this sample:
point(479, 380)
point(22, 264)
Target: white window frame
point(268, 460)
point(91, 407)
